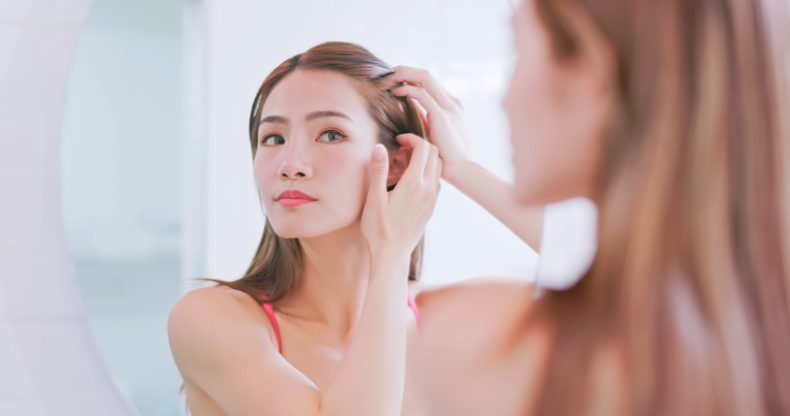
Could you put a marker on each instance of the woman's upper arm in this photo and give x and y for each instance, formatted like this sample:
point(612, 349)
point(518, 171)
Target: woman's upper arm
point(220, 346)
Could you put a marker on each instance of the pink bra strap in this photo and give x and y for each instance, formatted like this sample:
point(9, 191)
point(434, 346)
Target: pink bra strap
point(413, 307)
point(269, 310)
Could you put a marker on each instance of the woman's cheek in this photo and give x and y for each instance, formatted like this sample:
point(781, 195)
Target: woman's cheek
point(264, 171)
point(349, 173)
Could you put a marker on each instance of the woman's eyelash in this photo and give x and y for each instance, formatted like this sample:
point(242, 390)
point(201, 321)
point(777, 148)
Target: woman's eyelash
point(337, 134)
point(266, 137)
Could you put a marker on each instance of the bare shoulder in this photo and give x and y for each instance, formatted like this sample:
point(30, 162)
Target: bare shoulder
point(210, 306)
point(206, 299)
point(209, 320)
point(476, 356)
point(222, 344)
point(473, 317)
point(485, 297)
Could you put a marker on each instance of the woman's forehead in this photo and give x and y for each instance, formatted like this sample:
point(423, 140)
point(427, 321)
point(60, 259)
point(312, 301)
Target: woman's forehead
point(304, 92)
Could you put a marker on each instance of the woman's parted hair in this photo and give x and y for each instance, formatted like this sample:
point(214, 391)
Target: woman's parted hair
point(277, 265)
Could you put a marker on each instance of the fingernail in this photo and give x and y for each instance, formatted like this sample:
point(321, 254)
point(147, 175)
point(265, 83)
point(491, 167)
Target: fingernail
point(379, 152)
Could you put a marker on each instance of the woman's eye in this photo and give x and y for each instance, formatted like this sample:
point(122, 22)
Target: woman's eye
point(330, 136)
point(272, 139)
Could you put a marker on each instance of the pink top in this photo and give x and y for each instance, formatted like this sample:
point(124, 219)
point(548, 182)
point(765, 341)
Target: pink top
point(269, 311)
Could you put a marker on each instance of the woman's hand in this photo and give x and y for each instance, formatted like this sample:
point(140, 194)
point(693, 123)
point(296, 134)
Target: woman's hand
point(446, 131)
point(443, 117)
point(395, 221)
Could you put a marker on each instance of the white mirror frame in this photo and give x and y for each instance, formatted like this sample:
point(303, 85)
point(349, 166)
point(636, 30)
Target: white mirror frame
point(49, 360)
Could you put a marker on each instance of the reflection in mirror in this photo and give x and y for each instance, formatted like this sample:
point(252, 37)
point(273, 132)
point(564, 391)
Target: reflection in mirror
point(157, 179)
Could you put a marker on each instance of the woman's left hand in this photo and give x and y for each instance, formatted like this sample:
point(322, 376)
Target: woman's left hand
point(443, 118)
point(394, 221)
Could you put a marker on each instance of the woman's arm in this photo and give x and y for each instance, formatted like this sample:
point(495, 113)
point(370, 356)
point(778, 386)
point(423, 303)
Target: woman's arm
point(443, 117)
point(491, 193)
point(374, 371)
point(220, 344)
point(370, 381)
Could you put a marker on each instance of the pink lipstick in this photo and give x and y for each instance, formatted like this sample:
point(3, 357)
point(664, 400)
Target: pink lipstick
point(293, 198)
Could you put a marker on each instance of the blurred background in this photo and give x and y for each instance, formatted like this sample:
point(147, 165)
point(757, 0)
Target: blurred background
point(155, 170)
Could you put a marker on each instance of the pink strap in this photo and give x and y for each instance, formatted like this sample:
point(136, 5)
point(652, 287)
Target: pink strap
point(413, 307)
point(269, 310)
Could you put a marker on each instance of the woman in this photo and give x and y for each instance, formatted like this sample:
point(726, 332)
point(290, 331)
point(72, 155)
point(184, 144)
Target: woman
point(319, 323)
point(672, 117)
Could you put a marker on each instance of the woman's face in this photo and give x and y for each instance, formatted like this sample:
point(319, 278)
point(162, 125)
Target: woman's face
point(555, 114)
point(316, 138)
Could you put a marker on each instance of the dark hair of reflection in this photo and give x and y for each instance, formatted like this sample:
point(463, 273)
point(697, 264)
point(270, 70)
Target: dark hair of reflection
point(276, 268)
point(690, 288)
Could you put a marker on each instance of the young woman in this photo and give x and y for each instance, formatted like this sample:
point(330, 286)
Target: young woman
point(319, 323)
point(672, 117)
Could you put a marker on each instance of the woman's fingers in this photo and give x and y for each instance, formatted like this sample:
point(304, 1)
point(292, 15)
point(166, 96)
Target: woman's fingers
point(423, 78)
point(424, 120)
point(421, 95)
point(419, 155)
point(432, 165)
point(378, 168)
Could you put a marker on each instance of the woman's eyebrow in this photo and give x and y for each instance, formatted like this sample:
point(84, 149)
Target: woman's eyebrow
point(310, 117)
point(320, 114)
point(275, 119)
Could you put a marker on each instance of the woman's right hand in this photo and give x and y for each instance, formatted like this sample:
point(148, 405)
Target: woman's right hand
point(394, 221)
point(446, 130)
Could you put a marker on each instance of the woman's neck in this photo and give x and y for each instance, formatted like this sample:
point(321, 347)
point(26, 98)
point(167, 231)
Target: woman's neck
point(332, 290)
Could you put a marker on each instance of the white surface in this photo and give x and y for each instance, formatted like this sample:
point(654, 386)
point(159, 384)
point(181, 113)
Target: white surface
point(49, 361)
point(568, 245)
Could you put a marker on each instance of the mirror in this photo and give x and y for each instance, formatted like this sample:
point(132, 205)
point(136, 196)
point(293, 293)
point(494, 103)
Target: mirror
point(122, 189)
point(156, 174)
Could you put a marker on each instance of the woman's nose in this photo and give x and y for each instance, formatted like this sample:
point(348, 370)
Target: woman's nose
point(295, 165)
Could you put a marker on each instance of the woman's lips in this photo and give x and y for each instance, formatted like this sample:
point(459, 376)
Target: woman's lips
point(293, 202)
point(293, 197)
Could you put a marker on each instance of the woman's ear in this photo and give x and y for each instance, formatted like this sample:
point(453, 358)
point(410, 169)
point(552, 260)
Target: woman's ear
point(399, 160)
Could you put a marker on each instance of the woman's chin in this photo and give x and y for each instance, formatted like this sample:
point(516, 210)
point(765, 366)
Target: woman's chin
point(297, 231)
point(292, 232)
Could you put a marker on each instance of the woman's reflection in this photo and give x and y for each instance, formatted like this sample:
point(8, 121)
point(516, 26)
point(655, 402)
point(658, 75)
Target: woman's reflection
point(319, 323)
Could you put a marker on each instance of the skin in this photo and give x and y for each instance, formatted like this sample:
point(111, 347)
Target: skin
point(346, 330)
point(553, 108)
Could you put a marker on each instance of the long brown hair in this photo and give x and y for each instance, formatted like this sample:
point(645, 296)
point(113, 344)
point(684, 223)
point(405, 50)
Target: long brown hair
point(690, 289)
point(276, 268)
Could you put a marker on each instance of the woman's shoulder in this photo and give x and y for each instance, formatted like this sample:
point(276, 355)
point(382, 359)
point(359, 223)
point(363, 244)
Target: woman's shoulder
point(479, 308)
point(474, 331)
point(215, 319)
point(483, 295)
point(214, 303)
point(222, 344)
